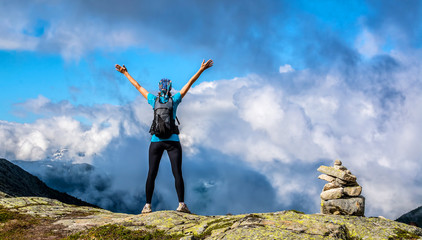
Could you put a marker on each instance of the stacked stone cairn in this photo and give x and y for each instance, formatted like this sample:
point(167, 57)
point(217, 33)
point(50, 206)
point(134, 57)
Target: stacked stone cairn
point(341, 195)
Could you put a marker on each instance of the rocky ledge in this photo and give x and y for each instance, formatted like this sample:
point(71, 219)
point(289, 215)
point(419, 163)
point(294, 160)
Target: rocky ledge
point(43, 218)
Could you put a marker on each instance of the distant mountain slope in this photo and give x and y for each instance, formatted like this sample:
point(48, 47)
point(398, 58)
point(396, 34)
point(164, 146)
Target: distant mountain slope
point(16, 182)
point(412, 217)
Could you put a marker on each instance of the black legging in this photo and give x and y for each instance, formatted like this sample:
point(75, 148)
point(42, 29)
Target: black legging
point(174, 150)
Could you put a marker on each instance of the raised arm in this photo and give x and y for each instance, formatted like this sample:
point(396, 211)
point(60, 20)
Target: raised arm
point(124, 71)
point(204, 66)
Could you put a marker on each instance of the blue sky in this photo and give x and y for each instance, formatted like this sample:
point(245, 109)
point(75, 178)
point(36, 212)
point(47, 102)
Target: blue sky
point(59, 69)
point(295, 84)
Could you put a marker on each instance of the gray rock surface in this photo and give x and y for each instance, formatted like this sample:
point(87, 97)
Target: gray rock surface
point(345, 206)
point(51, 219)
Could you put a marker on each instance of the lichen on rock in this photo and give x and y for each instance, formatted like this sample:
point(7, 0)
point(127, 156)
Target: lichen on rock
point(75, 222)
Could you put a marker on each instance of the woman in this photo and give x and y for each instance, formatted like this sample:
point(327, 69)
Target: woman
point(169, 142)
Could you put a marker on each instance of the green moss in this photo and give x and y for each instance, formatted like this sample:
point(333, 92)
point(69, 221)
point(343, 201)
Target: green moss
point(6, 215)
point(73, 236)
point(216, 226)
point(21, 226)
point(150, 226)
point(403, 234)
point(114, 231)
point(295, 211)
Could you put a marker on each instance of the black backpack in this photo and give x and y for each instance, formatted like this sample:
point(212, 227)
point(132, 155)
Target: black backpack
point(163, 125)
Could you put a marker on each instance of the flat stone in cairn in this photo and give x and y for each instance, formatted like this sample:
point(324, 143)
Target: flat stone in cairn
point(342, 182)
point(340, 167)
point(332, 194)
point(343, 175)
point(326, 178)
point(331, 185)
point(332, 179)
point(353, 191)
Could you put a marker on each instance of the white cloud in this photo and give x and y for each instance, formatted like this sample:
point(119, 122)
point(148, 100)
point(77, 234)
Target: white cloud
point(286, 68)
point(62, 28)
point(367, 44)
point(18, 43)
point(263, 127)
point(74, 41)
point(12, 35)
point(39, 140)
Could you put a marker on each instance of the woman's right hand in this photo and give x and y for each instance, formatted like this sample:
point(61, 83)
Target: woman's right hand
point(207, 64)
point(120, 68)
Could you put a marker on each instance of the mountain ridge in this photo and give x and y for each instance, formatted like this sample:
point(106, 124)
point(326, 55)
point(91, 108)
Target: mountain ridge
point(16, 182)
point(414, 217)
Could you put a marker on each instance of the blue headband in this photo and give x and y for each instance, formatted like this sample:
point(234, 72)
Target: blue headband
point(165, 85)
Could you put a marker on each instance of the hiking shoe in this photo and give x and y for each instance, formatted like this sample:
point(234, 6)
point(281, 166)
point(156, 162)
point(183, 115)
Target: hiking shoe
point(183, 208)
point(147, 208)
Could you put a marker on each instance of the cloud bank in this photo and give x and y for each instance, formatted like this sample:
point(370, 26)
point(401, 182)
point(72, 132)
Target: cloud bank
point(253, 143)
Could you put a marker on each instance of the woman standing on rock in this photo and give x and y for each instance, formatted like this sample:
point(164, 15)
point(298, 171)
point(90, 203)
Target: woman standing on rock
point(165, 133)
